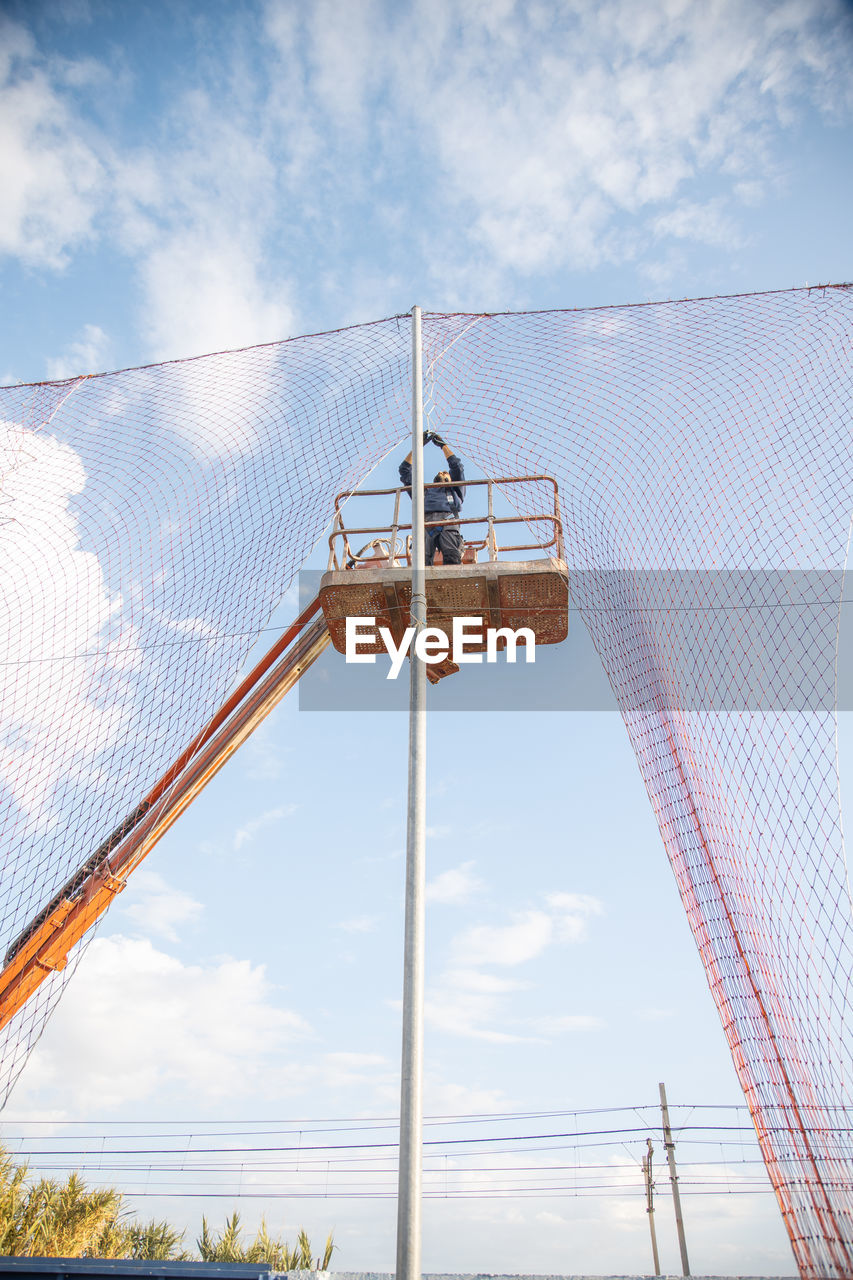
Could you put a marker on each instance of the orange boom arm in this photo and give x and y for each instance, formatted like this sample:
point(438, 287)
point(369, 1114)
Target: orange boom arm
point(45, 943)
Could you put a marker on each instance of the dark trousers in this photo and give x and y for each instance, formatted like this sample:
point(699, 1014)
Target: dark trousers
point(447, 540)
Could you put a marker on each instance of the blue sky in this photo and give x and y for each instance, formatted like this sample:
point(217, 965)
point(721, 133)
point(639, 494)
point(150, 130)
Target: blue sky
point(182, 179)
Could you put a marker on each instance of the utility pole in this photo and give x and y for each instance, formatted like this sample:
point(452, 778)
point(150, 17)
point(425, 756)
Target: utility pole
point(650, 1203)
point(673, 1177)
point(411, 1074)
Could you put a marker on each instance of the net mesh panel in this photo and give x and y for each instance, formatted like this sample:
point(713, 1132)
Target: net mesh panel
point(152, 519)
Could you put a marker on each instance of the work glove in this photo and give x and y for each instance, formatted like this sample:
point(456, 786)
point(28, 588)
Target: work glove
point(437, 439)
point(427, 437)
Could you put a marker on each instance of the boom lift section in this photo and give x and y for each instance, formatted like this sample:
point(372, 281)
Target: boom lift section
point(513, 593)
point(44, 945)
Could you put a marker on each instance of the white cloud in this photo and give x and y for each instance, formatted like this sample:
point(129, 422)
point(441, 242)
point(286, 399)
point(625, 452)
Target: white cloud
point(661, 272)
point(476, 1005)
point(59, 708)
point(194, 215)
point(489, 983)
point(749, 193)
point(469, 1000)
point(200, 223)
point(529, 933)
point(456, 885)
point(550, 126)
point(246, 834)
point(226, 412)
point(52, 182)
point(524, 939)
point(707, 223)
point(87, 354)
point(344, 1069)
point(465, 1002)
point(447, 1098)
point(571, 912)
point(552, 1219)
point(468, 1014)
point(136, 1022)
point(342, 40)
point(552, 137)
point(161, 908)
point(205, 289)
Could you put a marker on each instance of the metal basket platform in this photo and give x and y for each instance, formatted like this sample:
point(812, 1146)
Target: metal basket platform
point(375, 582)
point(514, 594)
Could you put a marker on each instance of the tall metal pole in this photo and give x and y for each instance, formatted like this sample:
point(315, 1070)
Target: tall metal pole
point(673, 1177)
point(650, 1203)
point(411, 1084)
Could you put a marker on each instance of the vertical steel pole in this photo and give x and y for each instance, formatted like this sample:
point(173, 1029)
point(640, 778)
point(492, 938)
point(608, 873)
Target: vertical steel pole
point(650, 1204)
point(673, 1177)
point(411, 1083)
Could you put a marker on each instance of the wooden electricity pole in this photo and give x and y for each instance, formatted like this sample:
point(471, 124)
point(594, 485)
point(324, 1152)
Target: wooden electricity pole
point(673, 1177)
point(650, 1203)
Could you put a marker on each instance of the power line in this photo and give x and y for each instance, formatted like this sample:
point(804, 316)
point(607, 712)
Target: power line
point(533, 1160)
point(436, 1142)
point(586, 609)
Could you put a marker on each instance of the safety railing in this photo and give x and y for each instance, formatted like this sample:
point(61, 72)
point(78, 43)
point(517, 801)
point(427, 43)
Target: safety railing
point(386, 547)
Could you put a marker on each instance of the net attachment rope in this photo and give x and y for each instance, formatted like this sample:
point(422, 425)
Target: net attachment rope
point(152, 519)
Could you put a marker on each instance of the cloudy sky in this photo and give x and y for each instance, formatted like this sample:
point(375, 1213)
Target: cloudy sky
point(177, 179)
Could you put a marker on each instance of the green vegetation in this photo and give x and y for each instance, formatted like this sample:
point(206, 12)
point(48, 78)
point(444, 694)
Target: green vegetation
point(229, 1248)
point(52, 1219)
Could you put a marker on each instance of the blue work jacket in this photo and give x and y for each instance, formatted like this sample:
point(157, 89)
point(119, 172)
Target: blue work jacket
point(444, 500)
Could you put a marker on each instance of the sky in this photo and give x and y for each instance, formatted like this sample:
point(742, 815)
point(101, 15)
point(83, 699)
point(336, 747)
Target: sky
point(178, 179)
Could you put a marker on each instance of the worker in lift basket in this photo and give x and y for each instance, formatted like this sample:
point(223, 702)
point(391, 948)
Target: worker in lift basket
point(440, 504)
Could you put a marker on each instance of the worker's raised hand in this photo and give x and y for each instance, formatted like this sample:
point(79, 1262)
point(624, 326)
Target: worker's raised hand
point(437, 439)
point(427, 437)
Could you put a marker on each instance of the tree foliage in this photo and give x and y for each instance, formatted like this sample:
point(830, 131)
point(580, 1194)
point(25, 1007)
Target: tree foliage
point(229, 1247)
point(52, 1219)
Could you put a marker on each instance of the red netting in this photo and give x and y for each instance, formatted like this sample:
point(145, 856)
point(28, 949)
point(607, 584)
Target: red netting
point(152, 519)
